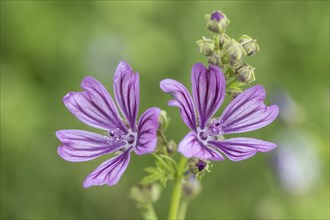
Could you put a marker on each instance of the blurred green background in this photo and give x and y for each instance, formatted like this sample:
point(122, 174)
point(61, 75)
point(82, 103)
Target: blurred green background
point(47, 47)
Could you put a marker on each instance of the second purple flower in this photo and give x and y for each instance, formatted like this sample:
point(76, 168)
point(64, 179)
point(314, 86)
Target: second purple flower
point(246, 112)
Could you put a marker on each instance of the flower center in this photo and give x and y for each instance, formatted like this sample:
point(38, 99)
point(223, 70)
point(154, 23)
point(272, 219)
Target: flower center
point(116, 136)
point(214, 128)
point(203, 135)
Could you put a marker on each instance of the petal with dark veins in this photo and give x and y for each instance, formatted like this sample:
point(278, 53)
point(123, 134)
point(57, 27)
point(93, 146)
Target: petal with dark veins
point(109, 172)
point(237, 149)
point(78, 145)
point(209, 90)
point(127, 92)
point(94, 106)
point(247, 112)
point(147, 131)
point(182, 99)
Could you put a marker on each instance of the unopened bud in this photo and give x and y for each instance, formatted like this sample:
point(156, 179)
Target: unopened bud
point(217, 22)
point(223, 40)
point(245, 74)
point(171, 147)
point(164, 120)
point(199, 167)
point(206, 46)
point(191, 188)
point(235, 52)
point(214, 60)
point(145, 194)
point(250, 45)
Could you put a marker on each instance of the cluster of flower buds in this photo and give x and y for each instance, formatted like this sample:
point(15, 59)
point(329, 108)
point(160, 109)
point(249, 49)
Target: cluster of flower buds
point(228, 53)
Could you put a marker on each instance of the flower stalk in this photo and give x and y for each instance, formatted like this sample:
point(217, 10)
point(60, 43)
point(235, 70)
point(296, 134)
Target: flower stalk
point(177, 190)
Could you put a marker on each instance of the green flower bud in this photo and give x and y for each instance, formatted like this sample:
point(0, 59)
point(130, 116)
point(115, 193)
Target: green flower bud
point(217, 22)
point(250, 45)
point(171, 147)
point(164, 120)
point(145, 194)
point(223, 40)
point(206, 46)
point(245, 74)
point(199, 167)
point(235, 52)
point(214, 60)
point(191, 188)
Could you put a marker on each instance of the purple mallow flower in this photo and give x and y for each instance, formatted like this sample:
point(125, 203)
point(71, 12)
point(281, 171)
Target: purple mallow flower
point(246, 112)
point(95, 107)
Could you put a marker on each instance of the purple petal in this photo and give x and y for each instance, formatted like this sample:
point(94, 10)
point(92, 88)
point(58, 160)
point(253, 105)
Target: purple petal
point(238, 149)
point(109, 172)
point(147, 131)
point(94, 106)
point(80, 145)
point(182, 99)
point(190, 146)
point(127, 92)
point(247, 112)
point(209, 89)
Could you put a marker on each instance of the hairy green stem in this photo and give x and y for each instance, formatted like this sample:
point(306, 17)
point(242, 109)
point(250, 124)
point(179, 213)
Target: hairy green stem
point(217, 42)
point(177, 190)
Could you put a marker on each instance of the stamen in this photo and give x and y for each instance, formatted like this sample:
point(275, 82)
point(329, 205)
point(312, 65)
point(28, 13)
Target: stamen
point(214, 127)
point(118, 136)
point(115, 136)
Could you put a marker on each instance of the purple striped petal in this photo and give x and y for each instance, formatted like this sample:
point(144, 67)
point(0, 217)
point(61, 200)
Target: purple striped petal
point(247, 112)
point(109, 172)
point(182, 99)
point(94, 106)
point(237, 149)
point(190, 146)
point(209, 90)
point(127, 92)
point(80, 145)
point(147, 131)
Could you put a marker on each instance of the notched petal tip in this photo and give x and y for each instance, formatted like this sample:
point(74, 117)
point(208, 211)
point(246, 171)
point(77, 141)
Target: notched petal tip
point(198, 67)
point(275, 110)
point(59, 134)
point(165, 84)
point(181, 99)
point(67, 97)
point(123, 68)
point(60, 151)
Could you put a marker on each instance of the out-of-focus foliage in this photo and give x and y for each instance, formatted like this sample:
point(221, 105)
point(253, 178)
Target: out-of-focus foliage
point(47, 47)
